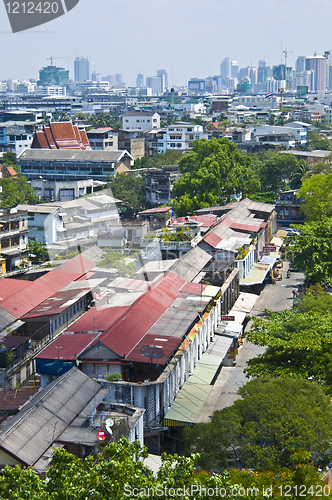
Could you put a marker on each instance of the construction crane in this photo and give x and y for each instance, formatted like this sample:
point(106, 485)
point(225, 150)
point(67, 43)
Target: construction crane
point(281, 90)
point(51, 59)
point(286, 53)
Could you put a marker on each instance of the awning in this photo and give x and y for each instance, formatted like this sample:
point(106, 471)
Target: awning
point(242, 307)
point(256, 275)
point(188, 404)
point(269, 260)
point(278, 242)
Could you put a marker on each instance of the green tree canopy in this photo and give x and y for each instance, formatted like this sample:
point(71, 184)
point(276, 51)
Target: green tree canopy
point(16, 191)
point(275, 418)
point(311, 251)
point(8, 158)
point(130, 189)
point(113, 259)
point(317, 195)
point(297, 344)
point(213, 173)
point(119, 473)
point(274, 169)
point(170, 157)
point(38, 250)
point(104, 120)
point(315, 141)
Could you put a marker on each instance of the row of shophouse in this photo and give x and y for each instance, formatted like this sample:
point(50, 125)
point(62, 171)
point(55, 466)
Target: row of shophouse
point(153, 334)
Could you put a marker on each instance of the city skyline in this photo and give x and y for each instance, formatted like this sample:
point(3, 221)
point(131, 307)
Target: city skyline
point(194, 38)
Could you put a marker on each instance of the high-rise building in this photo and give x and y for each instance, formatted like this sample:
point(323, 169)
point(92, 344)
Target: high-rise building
point(234, 69)
point(156, 83)
point(225, 68)
point(317, 64)
point(140, 80)
point(81, 69)
point(162, 72)
point(51, 75)
point(300, 64)
point(328, 56)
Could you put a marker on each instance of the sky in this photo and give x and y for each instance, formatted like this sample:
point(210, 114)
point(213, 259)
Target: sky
point(188, 38)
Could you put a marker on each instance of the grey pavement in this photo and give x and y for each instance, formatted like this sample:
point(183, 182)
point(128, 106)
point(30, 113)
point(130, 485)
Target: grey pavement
point(276, 297)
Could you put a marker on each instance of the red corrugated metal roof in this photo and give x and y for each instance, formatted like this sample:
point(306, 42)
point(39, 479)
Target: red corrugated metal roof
point(157, 210)
point(206, 220)
point(8, 286)
point(241, 226)
point(167, 345)
point(12, 400)
point(57, 303)
point(212, 239)
point(97, 319)
point(131, 327)
point(39, 290)
point(195, 288)
point(68, 346)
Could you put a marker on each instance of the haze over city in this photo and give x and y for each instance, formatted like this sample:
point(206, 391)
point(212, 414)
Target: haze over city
point(188, 38)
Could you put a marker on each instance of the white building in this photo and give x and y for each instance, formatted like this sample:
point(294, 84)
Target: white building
point(180, 136)
point(140, 120)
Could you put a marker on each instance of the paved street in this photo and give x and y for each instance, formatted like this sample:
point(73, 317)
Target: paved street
point(276, 297)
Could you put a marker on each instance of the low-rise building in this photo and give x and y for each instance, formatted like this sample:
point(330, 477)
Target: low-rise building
point(159, 183)
point(62, 164)
point(103, 139)
point(13, 239)
point(140, 120)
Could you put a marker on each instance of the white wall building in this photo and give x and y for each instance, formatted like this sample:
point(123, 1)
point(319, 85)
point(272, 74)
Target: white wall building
point(140, 120)
point(180, 136)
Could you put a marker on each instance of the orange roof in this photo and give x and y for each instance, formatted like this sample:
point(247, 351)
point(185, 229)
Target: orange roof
point(60, 135)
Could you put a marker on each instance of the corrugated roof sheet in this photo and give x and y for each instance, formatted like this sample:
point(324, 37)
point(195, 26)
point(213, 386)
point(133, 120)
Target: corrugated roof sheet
point(109, 156)
point(39, 290)
point(166, 344)
point(212, 239)
point(158, 210)
point(29, 434)
point(68, 346)
point(97, 319)
point(12, 400)
point(191, 264)
point(134, 324)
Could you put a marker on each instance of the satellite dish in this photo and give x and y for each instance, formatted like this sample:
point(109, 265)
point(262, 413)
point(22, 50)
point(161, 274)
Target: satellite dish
point(109, 423)
point(152, 352)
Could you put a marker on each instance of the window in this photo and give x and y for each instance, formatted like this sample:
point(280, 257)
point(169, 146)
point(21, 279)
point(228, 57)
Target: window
point(189, 129)
point(127, 121)
point(150, 120)
point(154, 120)
point(191, 137)
point(137, 121)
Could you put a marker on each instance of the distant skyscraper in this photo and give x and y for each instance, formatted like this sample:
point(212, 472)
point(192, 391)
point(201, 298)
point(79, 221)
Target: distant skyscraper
point(51, 75)
point(140, 80)
point(156, 83)
point(95, 77)
point(81, 69)
point(253, 75)
point(328, 56)
point(224, 68)
point(318, 65)
point(162, 72)
point(300, 64)
point(234, 69)
point(261, 63)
